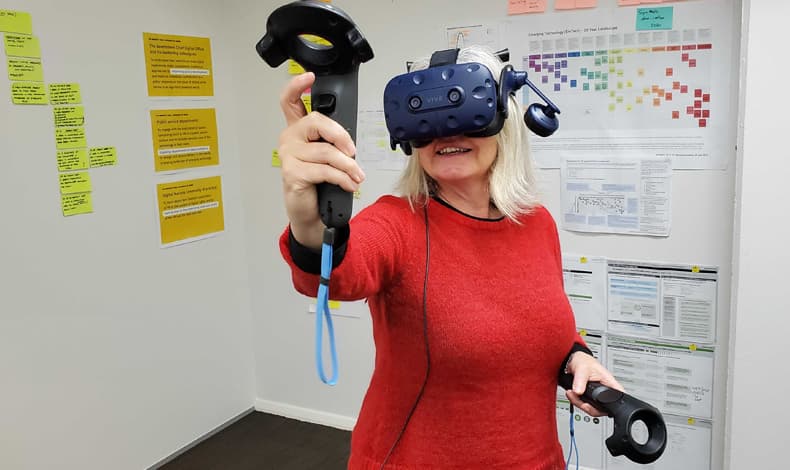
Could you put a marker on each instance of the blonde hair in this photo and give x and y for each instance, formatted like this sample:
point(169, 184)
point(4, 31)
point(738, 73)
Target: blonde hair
point(512, 186)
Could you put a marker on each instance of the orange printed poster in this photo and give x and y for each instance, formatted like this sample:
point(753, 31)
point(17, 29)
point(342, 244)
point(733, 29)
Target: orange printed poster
point(190, 210)
point(178, 65)
point(184, 138)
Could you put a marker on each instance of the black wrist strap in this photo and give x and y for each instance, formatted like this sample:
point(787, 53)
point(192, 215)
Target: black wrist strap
point(309, 260)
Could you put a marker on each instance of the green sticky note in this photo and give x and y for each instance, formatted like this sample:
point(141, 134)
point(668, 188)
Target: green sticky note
point(648, 19)
point(20, 45)
point(72, 159)
point(103, 156)
point(65, 93)
point(16, 22)
point(66, 116)
point(25, 70)
point(70, 138)
point(75, 182)
point(74, 204)
point(29, 93)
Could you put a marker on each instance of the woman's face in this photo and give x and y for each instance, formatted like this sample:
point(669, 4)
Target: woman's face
point(458, 160)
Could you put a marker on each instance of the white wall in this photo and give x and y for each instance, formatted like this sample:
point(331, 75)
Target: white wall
point(757, 431)
point(113, 352)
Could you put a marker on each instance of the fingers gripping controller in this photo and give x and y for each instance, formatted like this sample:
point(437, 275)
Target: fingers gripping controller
point(626, 411)
point(335, 63)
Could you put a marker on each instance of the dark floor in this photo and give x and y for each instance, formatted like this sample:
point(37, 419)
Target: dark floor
point(261, 441)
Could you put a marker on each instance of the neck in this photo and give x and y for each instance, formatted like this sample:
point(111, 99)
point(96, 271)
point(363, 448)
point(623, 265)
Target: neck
point(473, 201)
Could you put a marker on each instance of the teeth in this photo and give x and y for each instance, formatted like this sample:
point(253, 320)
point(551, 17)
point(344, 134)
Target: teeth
point(447, 150)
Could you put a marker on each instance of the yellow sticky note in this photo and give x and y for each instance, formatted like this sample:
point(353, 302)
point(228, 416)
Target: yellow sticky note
point(25, 70)
point(307, 100)
point(74, 204)
point(29, 93)
point(184, 138)
point(70, 138)
point(582, 332)
point(72, 159)
point(334, 304)
point(357, 194)
point(691, 421)
point(103, 156)
point(695, 269)
point(276, 162)
point(583, 259)
point(190, 209)
point(16, 22)
point(178, 65)
point(68, 116)
point(612, 107)
point(75, 182)
point(294, 68)
point(20, 45)
point(65, 93)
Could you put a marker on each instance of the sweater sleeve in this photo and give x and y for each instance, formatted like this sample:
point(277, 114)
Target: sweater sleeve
point(374, 244)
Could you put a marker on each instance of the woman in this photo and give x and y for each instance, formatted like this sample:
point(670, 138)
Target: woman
point(463, 277)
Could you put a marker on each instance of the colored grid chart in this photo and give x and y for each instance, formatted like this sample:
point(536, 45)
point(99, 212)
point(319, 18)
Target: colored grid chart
point(639, 80)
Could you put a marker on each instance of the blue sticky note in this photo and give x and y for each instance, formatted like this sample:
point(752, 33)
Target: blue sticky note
point(653, 18)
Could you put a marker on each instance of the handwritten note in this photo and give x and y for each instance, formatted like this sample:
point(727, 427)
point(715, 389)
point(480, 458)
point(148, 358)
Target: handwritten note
point(65, 93)
point(70, 138)
point(75, 182)
point(74, 204)
point(28, 93)
point(25, 70)
point(19, 45)
point(519, 7)
point(72, 159)
point(103, 156)
point(648, 19)
point(66, 116)
point(16, 22)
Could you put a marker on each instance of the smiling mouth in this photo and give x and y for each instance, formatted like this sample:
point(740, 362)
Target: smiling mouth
point(452, 151)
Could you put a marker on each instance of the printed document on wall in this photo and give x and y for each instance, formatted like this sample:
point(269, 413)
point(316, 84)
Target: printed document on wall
point(688, 446)
point(585, 286)
point(373, 143)
point(589, 433)
point(662, 300)
point(676, 378)
point(617, 195)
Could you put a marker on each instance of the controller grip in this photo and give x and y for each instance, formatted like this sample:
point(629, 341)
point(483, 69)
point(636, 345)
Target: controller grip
point(596, 393)
point(335, 96)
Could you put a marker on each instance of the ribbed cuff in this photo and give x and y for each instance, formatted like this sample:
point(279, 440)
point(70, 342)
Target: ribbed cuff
point(309, 260)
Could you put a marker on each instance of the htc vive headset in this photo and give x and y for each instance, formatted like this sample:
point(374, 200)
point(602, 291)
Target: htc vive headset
point(449, 99)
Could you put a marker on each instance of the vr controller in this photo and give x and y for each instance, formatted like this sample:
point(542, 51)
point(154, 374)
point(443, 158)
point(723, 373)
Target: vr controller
point(449, 99)
point(626, 411)
point(336, 68)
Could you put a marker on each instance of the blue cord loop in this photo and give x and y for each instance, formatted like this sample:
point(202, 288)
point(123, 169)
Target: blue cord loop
point(322, 310)
point(572, 446)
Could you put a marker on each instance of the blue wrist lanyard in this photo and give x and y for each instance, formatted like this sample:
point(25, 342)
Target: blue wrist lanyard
point(322, 310)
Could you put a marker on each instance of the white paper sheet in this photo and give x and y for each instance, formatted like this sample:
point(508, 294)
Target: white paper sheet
point(618, 195)
point(590, 436)
point(373, 143)
point(676, 378)
point(660, 300)
point(585, 286)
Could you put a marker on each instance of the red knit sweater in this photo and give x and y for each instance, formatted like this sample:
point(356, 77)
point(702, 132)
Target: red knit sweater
point(499, 327)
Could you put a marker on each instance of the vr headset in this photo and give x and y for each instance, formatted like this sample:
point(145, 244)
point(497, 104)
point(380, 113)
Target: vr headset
point(449, 99)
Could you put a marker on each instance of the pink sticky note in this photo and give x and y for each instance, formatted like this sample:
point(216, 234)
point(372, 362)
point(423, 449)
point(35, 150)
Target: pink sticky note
point(573, 4)
point(628, 3)
point(518, 7)
point(675, 114)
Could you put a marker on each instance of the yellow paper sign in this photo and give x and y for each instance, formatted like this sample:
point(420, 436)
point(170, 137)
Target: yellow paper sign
point(178, 65)
point(76, 182)
point(16, 22)
point(184, 138)
point(74, 204)
point(29, 93)
point(695, 269)
point(103, 156)
point(72, 159)
point(65, 93)
point(66, 116)
point(294, 68)
point(307, 99)
point(276, 162)
point(19, 45)
point(70, 138)
point(25, 70)
point(334, 304)
point(190, 209)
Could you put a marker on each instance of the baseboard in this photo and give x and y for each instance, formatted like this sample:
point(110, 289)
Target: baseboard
point(309, 415)
point(200, 439)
